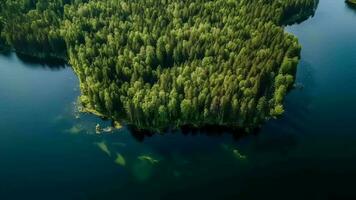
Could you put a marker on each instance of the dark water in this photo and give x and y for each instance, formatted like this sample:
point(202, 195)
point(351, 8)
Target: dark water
point(49, 151)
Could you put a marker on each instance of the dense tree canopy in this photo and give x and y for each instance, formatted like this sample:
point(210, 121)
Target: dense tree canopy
point(167, 63)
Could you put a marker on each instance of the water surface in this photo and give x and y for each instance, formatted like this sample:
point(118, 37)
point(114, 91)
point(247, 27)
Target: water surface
point(49, 151)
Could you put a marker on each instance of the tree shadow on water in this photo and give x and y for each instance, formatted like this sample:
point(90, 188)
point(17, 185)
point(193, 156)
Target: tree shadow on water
point(208, 130)
point(51, 63)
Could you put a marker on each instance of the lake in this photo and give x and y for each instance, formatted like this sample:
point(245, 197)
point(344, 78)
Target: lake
point(50, 151)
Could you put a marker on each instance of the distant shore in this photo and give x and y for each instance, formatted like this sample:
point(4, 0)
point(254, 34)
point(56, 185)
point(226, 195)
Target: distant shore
point(351, 2)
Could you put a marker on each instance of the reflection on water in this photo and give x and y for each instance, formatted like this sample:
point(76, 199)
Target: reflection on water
point(35, 62)
point(188, 131)
point(50, 63)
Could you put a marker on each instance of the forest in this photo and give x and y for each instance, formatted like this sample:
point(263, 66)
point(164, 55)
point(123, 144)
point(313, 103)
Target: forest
point(158, 64)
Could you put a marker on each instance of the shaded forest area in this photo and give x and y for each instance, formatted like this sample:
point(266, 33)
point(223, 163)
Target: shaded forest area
point(156, 64)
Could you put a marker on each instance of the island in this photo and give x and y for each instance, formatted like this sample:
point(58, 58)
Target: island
point(167, 63)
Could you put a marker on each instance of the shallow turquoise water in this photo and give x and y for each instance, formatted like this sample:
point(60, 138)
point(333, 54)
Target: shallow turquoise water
point(49, 151)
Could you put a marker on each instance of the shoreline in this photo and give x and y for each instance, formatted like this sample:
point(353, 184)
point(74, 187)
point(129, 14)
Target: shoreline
point(351, 3)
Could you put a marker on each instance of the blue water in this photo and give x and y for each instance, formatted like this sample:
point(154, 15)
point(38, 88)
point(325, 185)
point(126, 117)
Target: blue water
point(50, 151)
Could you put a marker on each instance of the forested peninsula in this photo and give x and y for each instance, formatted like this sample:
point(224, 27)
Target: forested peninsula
point(159, 64)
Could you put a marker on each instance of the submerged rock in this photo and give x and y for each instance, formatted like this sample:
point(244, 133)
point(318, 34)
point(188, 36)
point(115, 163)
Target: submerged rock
point(148, 159)
point(238, 154)
point(75, 129)
point(120, 160)
point(108, 129)
point(117, 125)
point(234, 151)
point(98, 129)
point(142, 171)
point(102, 146)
